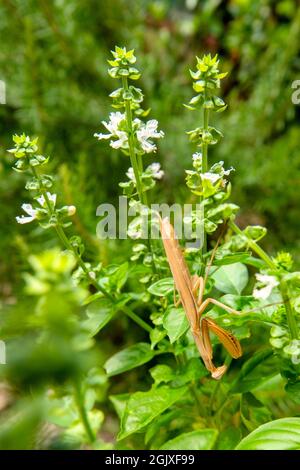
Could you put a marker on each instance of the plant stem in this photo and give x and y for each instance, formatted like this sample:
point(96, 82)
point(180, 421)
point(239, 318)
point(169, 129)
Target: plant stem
point(79, 399)
point(133, 158)
point(140, 165)
point(291, 320)
point(254, 246)
point(136, 318)
point(65, 241)
point(204, 144)
point(292, 323)
point(204, 149)
point(137, 164)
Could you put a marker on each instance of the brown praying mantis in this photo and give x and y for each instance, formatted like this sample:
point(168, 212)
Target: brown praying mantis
point(194, 305)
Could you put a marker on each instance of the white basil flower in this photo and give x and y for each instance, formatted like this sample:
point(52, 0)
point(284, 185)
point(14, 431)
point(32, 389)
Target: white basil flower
point(119, 137)
point(147, 132)
point(114, 122)
point(156, 171)
point(212, 177)
point(42, 201)
point(227, 172)
point(130, 174)
point(138, 227)
point(267, 284)
point(121, 142)
point(32, 213)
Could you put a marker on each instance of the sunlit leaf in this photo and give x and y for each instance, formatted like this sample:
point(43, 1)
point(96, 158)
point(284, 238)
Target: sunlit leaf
point(175, 322)
point(231, 279)
point(143, 407)
point(129, 358)
point(162, 287)
point(281, 434)
point(204, 439)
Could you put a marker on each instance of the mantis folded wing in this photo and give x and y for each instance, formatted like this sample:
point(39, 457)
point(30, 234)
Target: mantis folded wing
point(194, 305)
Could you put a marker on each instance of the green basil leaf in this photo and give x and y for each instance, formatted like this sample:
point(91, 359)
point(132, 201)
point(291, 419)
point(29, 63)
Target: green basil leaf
point(143, 407)
point(156, 335)
point(129, 358)
point(100, 312)
point(193, 371)
point(175, 322)
point(119, 277)
point(281, 434)
point(204, 439)
point(162, 373)
point(162, 287)
point(232, 258)
point(231, 279)
point(120, 402)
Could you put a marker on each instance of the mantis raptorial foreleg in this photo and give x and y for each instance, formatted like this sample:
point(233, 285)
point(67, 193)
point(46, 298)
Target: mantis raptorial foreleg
point(197, 288)
point(198, 285)
point(206, 338)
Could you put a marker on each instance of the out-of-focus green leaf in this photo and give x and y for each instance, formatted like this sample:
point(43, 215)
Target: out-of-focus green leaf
point(260, 367)
point(19, 426)
point(229, 438)
point(62, 411)
point(77, 431)
point(293, 389)
point(253, 412)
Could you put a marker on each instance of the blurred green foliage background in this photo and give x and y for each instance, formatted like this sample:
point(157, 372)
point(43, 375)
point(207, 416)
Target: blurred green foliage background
point(53, 60)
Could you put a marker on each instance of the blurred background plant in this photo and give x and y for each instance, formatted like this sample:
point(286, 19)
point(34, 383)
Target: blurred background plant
point(53, 61)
